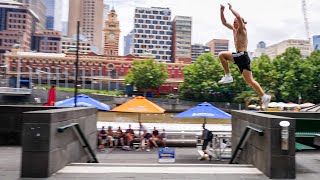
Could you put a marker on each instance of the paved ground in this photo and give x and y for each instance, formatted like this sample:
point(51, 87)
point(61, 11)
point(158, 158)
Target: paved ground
point(186, 167)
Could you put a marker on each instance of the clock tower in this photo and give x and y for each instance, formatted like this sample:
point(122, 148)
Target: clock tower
point(111, 34)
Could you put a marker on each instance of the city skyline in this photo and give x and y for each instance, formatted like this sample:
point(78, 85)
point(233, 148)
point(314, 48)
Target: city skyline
point(283, 23)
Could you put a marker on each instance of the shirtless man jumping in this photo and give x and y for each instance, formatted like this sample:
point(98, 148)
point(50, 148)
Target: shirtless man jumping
point(241, 57)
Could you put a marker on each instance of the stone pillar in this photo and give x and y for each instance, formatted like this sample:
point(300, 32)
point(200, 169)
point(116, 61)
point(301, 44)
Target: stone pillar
point(264, 152)
point(45, 150)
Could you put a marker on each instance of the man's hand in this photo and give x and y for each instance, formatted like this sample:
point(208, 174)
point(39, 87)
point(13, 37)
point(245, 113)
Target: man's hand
point(222, 7)
point(230, 6)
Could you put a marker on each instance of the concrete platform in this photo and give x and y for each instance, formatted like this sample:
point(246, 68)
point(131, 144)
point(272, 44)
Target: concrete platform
point(142, 165)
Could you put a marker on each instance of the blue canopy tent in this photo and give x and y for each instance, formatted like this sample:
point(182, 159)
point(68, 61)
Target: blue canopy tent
point(203, 110)
point(83, 100)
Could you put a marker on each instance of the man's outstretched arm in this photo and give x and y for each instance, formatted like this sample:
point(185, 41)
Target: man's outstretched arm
point(223, 19)
point(237, 15)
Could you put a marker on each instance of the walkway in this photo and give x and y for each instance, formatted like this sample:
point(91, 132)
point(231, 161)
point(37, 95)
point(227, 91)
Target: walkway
point(122, 165)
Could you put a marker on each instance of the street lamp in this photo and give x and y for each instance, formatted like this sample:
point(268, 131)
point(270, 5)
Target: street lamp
point(30, 77)
point(76, 64)
point(57, 76)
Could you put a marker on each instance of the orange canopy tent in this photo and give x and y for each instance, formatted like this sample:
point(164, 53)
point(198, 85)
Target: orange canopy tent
point(139, 105)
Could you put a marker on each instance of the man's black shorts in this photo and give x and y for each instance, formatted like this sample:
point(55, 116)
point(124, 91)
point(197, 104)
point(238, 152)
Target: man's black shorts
point(242, 60)
point(205, 144)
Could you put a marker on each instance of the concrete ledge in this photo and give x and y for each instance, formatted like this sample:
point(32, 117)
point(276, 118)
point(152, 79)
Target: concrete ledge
point(265, 152)
point(45, 150)
point(317, 140)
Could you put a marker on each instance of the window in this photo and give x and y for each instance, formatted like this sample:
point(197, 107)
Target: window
point(148, 31)
point(148, 21)
point(151, 26)
point(144, 16)
point(139, 51)
point(159, 17)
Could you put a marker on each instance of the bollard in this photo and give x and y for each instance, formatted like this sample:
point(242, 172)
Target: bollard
point(284, 135)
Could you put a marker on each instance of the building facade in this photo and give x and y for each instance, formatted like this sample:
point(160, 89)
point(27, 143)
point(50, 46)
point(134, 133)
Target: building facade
point(39, 8)
point(47, 42)
point(128, 43)
point(261, 49)
point(95, 71)
point(197, 50)
point(90, 15)
point(17, 25)
point(112, 34)
point(181, 41)
point(218, 45)
point(303, 45)
point(153, 31)
point(70, 43)
point(316, 42)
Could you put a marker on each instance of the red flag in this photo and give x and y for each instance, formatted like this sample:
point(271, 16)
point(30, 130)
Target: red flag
point(51, 97)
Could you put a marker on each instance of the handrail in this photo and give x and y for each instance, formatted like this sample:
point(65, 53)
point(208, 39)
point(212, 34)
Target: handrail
point(82, 139)
point(243, 140)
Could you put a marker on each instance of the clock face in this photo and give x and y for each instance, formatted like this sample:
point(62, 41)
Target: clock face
point(111, 36)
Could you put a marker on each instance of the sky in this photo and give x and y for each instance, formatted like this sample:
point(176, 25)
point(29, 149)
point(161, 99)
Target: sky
point(271, 21)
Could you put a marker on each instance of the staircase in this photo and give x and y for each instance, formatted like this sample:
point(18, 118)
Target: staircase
point(159, 171)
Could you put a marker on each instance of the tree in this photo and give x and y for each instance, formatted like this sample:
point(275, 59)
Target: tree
point(312, 93)
point(200, 78)
point(295, 75)
point(146, 74)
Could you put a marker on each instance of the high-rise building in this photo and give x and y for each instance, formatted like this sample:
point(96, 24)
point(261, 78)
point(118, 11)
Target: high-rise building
point(54, 14)
point(153, 32)
point(316, 42)
point(218, 45)
point(64, 29)
point(39, 8)
point(261, 44)
point(128, 43)
point(17, 24)
point(47, 42)
point(182, 30)
point(90, 15)
point(68, 43)
point(261, 49)
point(197, 50)
point(112, 34)
point(279, 48)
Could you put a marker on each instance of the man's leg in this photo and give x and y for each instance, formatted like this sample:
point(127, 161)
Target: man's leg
point(224, 57)
point(247, 76)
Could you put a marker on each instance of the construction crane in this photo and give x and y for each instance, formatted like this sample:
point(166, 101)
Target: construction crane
point(306, 20)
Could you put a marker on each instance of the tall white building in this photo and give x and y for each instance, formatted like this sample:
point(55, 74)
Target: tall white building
point(303, 45)
point(128, 43)
point(197, 50)
point(153, 32)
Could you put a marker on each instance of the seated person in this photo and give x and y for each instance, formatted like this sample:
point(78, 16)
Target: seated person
point(163, 137)
point(153, 139)
point(102, 134)
point(129, 135)
point(110, 136)
point(119, 136)
point(144, 135)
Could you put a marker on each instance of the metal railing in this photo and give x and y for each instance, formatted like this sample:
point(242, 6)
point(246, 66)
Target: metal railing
point(243, 140)
point(83, 140)
point(16, 91)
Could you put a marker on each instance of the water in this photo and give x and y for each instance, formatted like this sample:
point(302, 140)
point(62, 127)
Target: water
point(154, 118)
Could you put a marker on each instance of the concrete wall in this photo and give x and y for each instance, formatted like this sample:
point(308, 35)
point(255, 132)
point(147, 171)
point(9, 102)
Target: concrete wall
point(11, 122)
point(294, 114)
point(44, 150)
point(264, 152)
point(317, 140)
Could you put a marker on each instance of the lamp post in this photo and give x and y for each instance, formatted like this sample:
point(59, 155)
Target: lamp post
point(100, 75)
point(83, 78)
point(77, 65)
point(18, 72)
point(91, 78)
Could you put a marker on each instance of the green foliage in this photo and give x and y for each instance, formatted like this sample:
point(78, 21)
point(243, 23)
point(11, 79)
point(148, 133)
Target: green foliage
point(285, 78)
point(147, 74)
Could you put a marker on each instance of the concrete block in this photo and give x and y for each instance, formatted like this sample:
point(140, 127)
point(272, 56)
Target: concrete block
point(317, 140)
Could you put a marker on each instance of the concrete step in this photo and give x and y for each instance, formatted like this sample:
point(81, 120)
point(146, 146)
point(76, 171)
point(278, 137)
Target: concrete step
point(138, 168)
